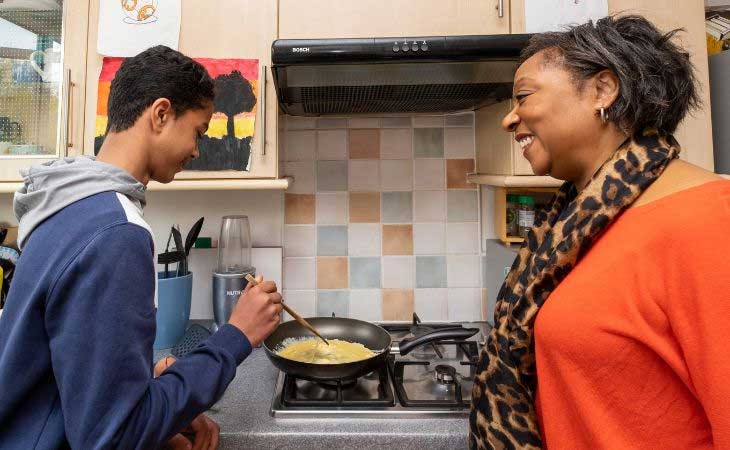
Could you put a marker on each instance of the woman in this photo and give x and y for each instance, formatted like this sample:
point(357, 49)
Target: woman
point(611, 328)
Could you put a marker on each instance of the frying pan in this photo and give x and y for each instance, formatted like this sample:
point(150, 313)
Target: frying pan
point(372, 336)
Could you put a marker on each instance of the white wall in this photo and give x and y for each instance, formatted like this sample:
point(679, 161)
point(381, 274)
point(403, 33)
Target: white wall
point(264, 209)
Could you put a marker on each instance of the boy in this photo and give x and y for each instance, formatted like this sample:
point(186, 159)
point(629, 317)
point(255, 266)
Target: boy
point(77, 331)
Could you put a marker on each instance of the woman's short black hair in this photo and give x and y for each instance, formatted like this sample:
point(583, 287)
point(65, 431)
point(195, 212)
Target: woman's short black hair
point(657, 81)
point(158, 72)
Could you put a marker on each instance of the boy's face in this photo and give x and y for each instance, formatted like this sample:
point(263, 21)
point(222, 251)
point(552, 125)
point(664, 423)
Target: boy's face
point(177, 142)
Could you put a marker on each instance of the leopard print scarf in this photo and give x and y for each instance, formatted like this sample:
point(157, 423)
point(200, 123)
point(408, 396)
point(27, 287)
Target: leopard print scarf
point(503, 410)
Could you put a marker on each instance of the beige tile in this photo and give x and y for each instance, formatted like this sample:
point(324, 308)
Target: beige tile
point(396, 143)
point(364, 144)
point(397, 304)
point(331, 144)
point(365, 207)
point(397, 239)
point(299, 208)
point(396, 175)
point(300, 145)
point(332, 273)
point(459, 143)
point(303, 173)
point(363, 122)
point(364, 175)
point(428, 121)
point(456, 170)
point(300, 123)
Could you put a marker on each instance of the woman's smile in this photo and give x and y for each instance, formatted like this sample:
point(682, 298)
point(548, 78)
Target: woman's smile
point(525, 140)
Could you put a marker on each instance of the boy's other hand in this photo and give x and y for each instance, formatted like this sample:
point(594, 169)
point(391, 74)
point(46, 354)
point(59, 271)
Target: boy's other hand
point(258, 311)
point(201, 434)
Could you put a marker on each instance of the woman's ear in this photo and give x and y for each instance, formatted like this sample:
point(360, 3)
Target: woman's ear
point(606, 88)
point(160, 113)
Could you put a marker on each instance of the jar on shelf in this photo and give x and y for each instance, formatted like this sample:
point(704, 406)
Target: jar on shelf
point(525, 214)
point(511, 213)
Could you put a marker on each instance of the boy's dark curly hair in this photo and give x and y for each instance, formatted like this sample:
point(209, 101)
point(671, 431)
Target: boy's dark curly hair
point(158, 72)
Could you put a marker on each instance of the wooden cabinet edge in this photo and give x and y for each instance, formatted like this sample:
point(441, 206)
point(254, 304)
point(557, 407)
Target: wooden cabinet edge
point(223, 185)
point(195, 185)
point(517, 181)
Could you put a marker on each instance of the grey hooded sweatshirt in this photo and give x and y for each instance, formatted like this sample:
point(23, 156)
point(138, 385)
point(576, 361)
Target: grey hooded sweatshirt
point(77, 330)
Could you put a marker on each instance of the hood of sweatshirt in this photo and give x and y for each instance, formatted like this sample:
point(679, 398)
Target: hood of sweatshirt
point(50, 187)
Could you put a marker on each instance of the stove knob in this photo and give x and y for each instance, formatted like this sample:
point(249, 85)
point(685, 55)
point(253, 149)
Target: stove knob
point(396, 47)
point(405, 47)
point(424, 46)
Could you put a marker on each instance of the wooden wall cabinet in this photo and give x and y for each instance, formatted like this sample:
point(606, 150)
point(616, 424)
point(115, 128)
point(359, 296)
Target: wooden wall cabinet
point(225, 29)
point(47, 111)
point(313, 19)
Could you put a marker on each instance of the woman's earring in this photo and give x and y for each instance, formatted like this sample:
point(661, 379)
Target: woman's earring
point(604, 116)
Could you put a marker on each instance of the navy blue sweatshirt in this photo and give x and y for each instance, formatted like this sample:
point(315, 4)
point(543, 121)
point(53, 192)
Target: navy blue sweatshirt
point(77, 330)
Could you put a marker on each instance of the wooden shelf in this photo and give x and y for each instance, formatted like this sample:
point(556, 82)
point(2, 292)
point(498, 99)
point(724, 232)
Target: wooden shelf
point(512, 240)
point(197, 185)
point(500, 208)
point(516, 181)
point(222, 185)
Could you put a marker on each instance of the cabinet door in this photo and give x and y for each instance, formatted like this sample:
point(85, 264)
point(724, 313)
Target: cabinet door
point(493, 144)
point(42, 56)
point(497, 151)
point(222, 29)
point(314, 19)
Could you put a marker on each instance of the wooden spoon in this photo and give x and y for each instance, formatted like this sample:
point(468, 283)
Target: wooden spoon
point(291, 312)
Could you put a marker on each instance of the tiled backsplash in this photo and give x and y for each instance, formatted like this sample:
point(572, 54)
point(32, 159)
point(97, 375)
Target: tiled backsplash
point(380, 220)
point(387, 229)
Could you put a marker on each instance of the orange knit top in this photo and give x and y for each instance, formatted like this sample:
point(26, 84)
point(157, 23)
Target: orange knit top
point(633, 346)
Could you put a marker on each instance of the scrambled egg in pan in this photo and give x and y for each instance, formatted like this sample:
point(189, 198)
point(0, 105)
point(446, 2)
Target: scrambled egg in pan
point(315, 351)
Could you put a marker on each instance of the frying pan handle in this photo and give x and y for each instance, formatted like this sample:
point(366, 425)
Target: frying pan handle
point(455, 333)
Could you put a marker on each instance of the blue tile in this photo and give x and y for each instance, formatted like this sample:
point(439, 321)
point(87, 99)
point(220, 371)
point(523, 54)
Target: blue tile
point(461, 206)
point(332, 240)
point(428, 142)
point(397, 207)
point(430, 271)
point(331, 176)
point(364, 273)
point(337, 302)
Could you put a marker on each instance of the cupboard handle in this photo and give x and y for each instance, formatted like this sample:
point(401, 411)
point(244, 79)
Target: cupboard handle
point(69, 111)
point(262, 107)
point(500, 8)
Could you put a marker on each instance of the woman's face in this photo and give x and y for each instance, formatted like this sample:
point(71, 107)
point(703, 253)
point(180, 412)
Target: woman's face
point(554, 122)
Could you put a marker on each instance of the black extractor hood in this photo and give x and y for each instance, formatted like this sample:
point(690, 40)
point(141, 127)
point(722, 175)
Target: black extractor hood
point(316, 77)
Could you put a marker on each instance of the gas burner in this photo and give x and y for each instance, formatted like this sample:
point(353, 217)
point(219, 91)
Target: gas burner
point(335, 384)
point(444, 374)
point(372, 390)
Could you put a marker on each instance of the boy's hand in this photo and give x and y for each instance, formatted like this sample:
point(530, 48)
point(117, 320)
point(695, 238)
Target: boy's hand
point(258, 311)
point(201, 434)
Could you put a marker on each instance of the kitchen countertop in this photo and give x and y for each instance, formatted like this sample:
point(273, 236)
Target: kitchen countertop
point(245, 421)
point(243, 415)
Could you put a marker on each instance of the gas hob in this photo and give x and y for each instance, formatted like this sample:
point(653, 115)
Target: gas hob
point(432, 380)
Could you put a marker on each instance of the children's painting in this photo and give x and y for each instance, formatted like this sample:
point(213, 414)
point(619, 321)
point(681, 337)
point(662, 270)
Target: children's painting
point(227, 144)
